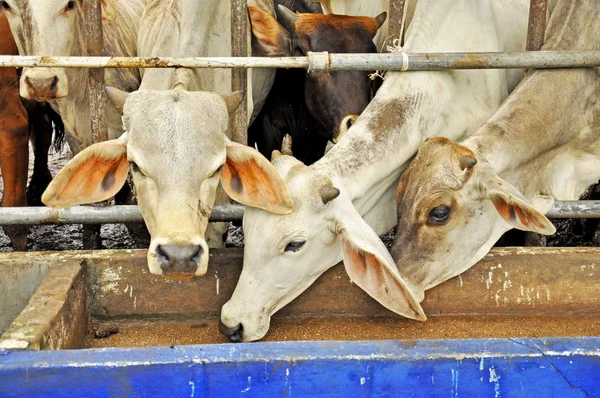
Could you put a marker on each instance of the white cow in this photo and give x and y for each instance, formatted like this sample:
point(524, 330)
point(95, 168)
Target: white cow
point(285, 254)
point(56, 27)
point(177, 142)
point(455, 201)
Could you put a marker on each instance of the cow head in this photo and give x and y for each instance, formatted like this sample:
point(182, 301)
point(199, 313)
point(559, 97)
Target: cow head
point(452, 208)
point(48, 27)
point(307, 243)
point(177, 150)
point(335, 99)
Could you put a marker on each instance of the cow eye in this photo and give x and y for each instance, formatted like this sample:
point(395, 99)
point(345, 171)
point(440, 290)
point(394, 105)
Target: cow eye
point(70, 5)
point(215, 173)
point(134, 167)
point(294, 246)
point(439, 215)
point(5, 5)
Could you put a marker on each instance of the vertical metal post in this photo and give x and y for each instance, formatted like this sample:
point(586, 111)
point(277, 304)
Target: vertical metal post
point(395, 21)
point(97, 96)
point(239, 76)
point(537, 24)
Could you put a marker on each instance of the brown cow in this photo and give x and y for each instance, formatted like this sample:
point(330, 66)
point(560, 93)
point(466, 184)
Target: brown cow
point(14, 135)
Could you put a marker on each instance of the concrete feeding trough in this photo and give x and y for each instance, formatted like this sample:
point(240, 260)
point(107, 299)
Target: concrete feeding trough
point(520, 314)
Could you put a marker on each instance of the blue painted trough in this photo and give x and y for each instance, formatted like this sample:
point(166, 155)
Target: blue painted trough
point(559, 367)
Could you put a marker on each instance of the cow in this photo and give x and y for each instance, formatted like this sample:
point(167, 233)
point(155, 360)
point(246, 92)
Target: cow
point(18, 123)
point(56, 27)
point(313, 108)
point(285, 254)
point(456, 200)
point(176, 143)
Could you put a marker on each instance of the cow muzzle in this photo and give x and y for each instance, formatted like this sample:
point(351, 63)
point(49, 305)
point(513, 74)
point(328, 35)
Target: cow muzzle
point(179, 260)
point(43, 84)
point(233, 334)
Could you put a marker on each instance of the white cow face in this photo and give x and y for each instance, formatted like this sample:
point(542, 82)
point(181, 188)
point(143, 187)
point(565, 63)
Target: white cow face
point(176, 146)
point(285, 254)
point(48, 27)
point(452, 208)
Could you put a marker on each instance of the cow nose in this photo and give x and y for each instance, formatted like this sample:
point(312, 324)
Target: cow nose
point(42, 89)
point(233, 334)
point(179, 260)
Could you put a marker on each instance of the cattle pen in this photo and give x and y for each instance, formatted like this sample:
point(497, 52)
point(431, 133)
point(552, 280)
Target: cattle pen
point(524, 321)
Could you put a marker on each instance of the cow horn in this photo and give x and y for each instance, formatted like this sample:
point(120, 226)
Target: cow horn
point(286, 145)
point(467, 162)
point(328, 193)
point(288, 19)
point(275, 154)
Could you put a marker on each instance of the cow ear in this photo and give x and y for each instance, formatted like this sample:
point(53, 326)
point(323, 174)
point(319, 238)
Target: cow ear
point(249, 178)
point(516, 211)
point(95, 174)
point(369, 264)
point(117, 97)
point(109, 10)
point(273, 40)
point(380, 19)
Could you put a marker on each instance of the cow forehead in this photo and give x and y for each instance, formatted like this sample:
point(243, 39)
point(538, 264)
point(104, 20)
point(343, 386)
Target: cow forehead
point(433, 171)
point(176, 126)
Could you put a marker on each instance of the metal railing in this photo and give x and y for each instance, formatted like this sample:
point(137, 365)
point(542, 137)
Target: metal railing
point(326, 62)
point(221, 213)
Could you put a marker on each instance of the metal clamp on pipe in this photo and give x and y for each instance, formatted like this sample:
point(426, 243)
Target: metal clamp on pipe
point(318, 62)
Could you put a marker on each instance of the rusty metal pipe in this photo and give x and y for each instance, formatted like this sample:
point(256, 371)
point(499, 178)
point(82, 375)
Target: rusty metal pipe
point(97, 215)
point(221, 213)
point(239, 77)
point(537, 24)
point(315, 62)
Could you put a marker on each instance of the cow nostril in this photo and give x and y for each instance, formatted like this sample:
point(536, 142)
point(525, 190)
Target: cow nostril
point(233, 334)
point(349, 123)
point(161, 254)
point(54, 85)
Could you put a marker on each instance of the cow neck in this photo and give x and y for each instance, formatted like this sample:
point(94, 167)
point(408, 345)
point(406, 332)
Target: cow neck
point(412, 106)
point(551, 110)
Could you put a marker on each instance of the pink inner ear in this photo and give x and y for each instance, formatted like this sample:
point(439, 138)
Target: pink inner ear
point(249, 178)
point(374, 277)
point(520, 216)
point(92, 176)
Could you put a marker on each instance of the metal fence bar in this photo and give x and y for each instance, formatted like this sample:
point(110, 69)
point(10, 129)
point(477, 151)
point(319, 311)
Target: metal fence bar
point(239, 77)
point(537, 24)
point(97, 215)
point(314, 61)
point(395, 21)
point(221, 213)
point(95, 47)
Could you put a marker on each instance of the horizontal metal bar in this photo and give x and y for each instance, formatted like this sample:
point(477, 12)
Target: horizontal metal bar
point(388, 61)
point(575, 209)
point(221, 213)
point(97, 215)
